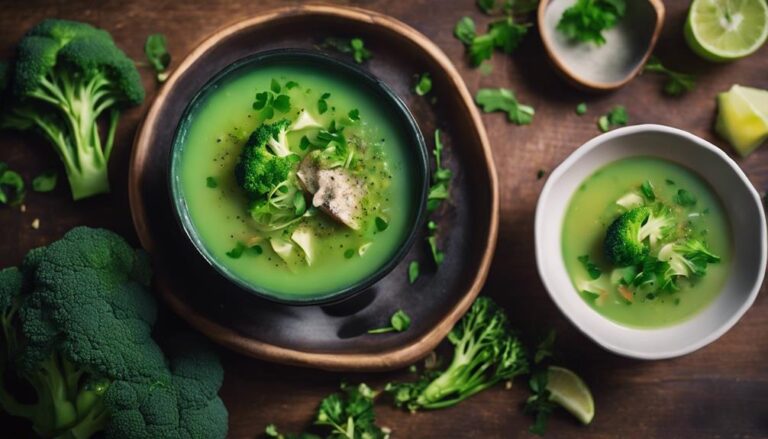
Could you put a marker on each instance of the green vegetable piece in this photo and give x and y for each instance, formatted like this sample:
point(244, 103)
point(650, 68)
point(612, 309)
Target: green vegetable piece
point(503, 34)
point(257, 249)
point(304, 143)
point(616, 117)
point(592, 269)
point(262, 100)
point(465, 30)
point(291, 85)
point(540, 404)
point(647, 189)
point(677, 83)
point(45, 182)
point(586, 20)
point(413, 272)
point(236, 251)
point(282, 103)
point(349, 253)
point(485, 352)
point(11, 186)
point(211, 182)
point(399, 322)
point(424, 84)
point(275, 86)
point(77, 332)
point(381, 224)
point(322, 106)
point(581, 109)
point(625, 239)
point(503, 99)
point(486, 6)
point(67, 79)
point(359, 52)
point(299, 203)
point(685, 198)
point(156, 51)
point(354, 115)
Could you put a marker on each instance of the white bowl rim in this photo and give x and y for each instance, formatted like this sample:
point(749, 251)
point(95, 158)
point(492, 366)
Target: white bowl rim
point(575, 156)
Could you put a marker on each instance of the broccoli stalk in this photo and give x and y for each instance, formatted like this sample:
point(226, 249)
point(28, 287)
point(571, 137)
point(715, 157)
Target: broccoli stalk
point(486, 352)
point(68, 75)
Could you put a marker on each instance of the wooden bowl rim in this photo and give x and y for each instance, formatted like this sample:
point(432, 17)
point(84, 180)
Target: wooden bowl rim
point(657, 5)
point(387, 360)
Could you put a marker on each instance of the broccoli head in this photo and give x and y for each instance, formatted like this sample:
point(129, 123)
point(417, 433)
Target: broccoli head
point(486, 352)
point(78, 321)
point(625, 238)
point(67, 75)
point(265, 161)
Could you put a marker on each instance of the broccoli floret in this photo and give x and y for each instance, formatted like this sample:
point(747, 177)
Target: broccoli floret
point(486, 352)
point(265, 161)
point(65, 77)
point(82, 337)
point(688, 258)
point(624, 243)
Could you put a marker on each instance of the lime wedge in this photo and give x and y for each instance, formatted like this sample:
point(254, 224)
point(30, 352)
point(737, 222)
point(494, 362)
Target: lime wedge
point(742, 118)
point(570, 392)
point(724, 30)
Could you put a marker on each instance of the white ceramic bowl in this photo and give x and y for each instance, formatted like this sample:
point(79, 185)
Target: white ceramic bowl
point(741, 203)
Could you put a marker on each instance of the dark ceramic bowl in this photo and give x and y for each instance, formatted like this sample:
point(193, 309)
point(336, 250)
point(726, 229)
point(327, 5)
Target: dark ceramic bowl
point(416, 147)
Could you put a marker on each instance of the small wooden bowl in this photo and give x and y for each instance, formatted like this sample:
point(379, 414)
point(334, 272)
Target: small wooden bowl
point(615, 63)
point(328, 337)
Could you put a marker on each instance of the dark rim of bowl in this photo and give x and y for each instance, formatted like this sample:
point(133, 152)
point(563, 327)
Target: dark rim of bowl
point(181, 212)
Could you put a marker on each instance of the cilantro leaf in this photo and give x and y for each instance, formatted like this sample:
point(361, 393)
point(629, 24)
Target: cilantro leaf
point(413, 272)
point(465, 30)
point(586, 20)
point(359, 52)
point(156, 51)
point(503, 34)
point(282, 103)
point(437, 255)
point(616, 117)
point(539, 403)
point(581, 109)
point(677, 83)
point(685, 198)
point(399, 322)
point(592, 269)
point(545, 347)
point(424, 85)
point(502, 99)
point(45, 182)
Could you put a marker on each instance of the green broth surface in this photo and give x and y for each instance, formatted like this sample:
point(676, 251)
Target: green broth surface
point(218, 127)
point(592, 209)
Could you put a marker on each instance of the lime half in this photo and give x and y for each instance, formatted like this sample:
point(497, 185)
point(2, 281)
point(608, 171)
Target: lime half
point(570, 392)
point(724, 30)
point(742, 118)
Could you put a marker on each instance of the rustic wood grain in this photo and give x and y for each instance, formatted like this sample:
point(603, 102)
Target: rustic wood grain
point(720, 391)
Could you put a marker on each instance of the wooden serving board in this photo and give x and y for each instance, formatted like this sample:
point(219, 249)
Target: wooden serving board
point(328, 337)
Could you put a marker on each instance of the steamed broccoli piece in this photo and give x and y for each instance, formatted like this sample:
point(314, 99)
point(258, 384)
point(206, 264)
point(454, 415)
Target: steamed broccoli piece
point(266, 161)
point(688, 258)
point(67, 76)
point(77, 321)
point(486, 352)
point(625, 238)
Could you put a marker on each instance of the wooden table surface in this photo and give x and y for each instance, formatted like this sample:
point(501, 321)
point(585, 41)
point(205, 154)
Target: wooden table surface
point(719, 391)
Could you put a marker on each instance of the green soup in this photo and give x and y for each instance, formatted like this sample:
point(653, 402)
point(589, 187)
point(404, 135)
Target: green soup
point(304, 254)
point(620, 292)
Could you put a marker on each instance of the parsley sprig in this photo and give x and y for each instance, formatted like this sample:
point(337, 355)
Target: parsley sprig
point(677, 83)
point(586, 20)
point(502, 99)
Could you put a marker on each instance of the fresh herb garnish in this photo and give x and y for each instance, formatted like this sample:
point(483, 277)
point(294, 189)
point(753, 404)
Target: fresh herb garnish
point(322, 103)
point(437, 255)
point(11, 186)
point(275, 86)
point(381, 224)
point(236, 251)
point(304, 143)
point(413, 272)
point(593, 270)
point(465, 30)
point(299, 204)
point(262, 100)
point(647, 189)
point(545, 348)
point(503, 34)
point(349, 253)
point(502, 99)
point(685, 198)
point(424, 84)
point(539, 404)
point(586, 20)
point(399, 322)
point(354, 115)
point(45, 182)
point(211, 182)
point(156, 51)
point(291, 85)
point(441, 178)
point(616, 117)
point(581, 109)
point(677, 83)
point(359, 52)
point(282, 103)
